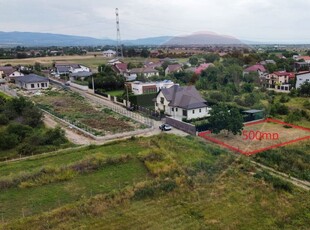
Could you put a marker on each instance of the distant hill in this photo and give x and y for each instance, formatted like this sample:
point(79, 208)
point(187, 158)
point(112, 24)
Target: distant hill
point(204, 39)
point(48, 39)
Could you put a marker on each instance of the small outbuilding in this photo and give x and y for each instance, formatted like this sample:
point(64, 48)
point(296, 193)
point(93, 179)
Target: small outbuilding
point(253, 114)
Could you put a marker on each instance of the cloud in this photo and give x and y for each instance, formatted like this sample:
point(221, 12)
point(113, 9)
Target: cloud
point(267, 20)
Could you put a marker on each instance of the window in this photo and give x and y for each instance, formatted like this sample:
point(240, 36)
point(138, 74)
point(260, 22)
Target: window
point(32, 86)
point(176, 109)
point(184, 112)
point(162, 100)
point(193, 111)
point(199, 110)
point(172, 109)
point(42, 84)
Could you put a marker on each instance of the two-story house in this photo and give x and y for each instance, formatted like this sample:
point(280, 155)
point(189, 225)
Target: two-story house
point(181, 103)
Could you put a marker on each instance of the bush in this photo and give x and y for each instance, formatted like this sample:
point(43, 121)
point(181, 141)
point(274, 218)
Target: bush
point(3, 120)
point(26, 149)
point(20, 130)
point(306, 104)
point(284, 99)
point(8, 141)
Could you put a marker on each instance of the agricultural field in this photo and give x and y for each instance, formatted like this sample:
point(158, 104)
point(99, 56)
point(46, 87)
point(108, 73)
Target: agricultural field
point(260, 136)
point(93, 118)
point(159, 182)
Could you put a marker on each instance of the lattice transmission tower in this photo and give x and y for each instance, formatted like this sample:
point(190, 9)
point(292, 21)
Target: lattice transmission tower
point(119, 48)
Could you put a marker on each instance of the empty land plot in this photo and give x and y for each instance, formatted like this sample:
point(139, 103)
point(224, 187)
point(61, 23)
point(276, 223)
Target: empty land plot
point(260, 136)
point(74, 108)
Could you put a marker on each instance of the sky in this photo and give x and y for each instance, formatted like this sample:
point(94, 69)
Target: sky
point(254, 20)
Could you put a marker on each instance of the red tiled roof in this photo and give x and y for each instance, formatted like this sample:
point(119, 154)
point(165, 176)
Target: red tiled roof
point(306, 58)
point(284, 73)
point(122, 67)
point(255, 68)
point(202, 67)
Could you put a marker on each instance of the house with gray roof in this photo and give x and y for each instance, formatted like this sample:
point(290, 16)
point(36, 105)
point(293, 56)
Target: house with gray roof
point(182, 103)
point(32, 82)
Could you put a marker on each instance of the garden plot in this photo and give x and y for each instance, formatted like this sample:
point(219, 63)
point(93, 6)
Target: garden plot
point(78, 111)
point(260, 136)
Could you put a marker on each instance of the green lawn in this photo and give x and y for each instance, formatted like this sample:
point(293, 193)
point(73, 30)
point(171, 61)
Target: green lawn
point(115, 93)
point(4, 95)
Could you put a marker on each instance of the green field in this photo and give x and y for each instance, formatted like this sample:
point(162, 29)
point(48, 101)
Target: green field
point(160, 182)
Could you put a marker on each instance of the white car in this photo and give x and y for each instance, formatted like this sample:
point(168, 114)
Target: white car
point(165, 127)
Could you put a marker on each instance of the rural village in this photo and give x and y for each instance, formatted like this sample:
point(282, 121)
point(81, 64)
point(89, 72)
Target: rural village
point(198, 131)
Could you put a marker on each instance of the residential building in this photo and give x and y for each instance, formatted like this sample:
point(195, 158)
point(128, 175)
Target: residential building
point(182, 103)
point(279, 80)
point(138, 87)
point(305, 58)
point(301, 66)
point(9, 73)
point(67, 68)
point(202, 67)
point(109, 53)
point(301, 78)
point(268, 61)
point(258, 68)
point(120, 68)
point(174, 68)
point(146, 72)
point(32, 82)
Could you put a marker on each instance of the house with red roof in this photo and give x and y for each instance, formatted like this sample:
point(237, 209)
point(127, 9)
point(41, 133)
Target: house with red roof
point(202, 67)
point(258, 68)
point(279, 80)
point(306, 58)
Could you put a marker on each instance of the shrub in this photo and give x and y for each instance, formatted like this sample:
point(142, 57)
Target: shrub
point(3, 120)
point(306, 104)
point(284, 99)
point(26, 149)
point(8, 140)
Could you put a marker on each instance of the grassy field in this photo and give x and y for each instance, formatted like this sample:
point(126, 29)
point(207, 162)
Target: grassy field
point(293, 159)
point(3, 95)
point(73, 107)
point(88, 60)
point(164, 182)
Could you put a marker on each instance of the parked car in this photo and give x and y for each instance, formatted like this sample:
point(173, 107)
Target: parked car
point(165, 127)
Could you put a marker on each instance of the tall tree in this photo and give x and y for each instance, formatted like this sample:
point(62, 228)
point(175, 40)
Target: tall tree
point(228, 120)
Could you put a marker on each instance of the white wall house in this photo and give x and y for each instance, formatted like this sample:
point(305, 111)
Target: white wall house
point(81, 68)
point(32, 82)
point(109, 53)
point(182, 103)
point(301, 78)
point(138, 87)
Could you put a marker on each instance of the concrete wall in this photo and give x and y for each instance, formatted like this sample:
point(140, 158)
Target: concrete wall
point(188, 128)
point(81, 87)
point(302, 78)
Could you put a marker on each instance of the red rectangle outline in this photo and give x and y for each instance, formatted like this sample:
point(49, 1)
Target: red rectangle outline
point(206, 133)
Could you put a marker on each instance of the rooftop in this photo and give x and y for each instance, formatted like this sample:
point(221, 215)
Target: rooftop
point(184, 97)
point(32, 78)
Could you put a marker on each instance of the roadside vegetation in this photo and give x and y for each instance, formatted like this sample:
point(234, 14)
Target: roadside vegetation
point(293, 160)
point(22, 131)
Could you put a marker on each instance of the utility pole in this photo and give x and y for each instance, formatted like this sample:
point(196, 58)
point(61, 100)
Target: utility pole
point(119, 48)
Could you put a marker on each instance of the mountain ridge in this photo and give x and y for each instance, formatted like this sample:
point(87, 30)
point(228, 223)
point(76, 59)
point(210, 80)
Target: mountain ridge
point(15, 38)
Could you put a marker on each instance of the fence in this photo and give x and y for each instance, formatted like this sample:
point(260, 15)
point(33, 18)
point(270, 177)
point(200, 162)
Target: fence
point(188, 128)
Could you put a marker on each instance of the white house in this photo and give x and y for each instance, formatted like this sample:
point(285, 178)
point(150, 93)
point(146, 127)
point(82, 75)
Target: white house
point(32, 82)
point(9, 73)
point(301, 78)
point(138, 87)
point(146, 72)
point(182, 103)
point(109, 53)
